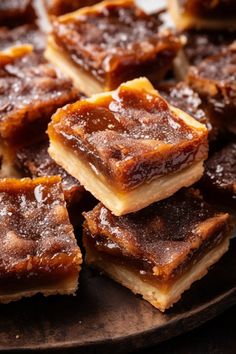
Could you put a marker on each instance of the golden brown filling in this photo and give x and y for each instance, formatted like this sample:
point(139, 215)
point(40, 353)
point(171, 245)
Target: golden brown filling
point(164, 238)
point(110, 251)
point(35, 161)
point(116, 41)
point(37, 239)
point(131, 137)
point(30, 91)
point(214, 79)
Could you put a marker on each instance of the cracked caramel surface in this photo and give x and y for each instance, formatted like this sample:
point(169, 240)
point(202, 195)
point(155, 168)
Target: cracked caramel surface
point(30, 91)
point(36, 235)
point(35, 161)
point(164, 235)
point(113, 40)
point(130, 136)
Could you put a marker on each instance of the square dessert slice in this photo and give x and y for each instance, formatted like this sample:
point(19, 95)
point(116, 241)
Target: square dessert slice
point(16, 12)
point(199, 14)
point(214, 80)
point(30, 91)
point(219, 177)
point(128, 147)
point(161, 250)
point(101, 46)
point(38, 252)
point(34, 161)
point(198, 46)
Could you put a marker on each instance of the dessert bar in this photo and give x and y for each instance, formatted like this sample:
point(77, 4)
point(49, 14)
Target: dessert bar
point(128, 147)
point(30, 91)
point(199, 14)
point(34, 161)
point(16, 12)
point(214, 79)
point(161, 250)
point(101, 46)
point(38, 252)
point(219, 177)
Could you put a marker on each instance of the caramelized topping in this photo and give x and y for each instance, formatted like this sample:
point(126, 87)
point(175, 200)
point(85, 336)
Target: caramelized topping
point(112, 34)
point(126, 129)
point(60, 7)
point(163, 234)
point(218, 70)
point(182, 96)
point(30, 89)
point(202, 44)
point(36, 162)
point(34, 221)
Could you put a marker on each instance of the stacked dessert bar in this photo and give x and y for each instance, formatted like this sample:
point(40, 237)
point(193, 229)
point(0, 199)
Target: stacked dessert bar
point(93, 118)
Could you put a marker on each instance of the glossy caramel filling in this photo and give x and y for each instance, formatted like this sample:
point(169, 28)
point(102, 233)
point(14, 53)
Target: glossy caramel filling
point(111, 252)
point(34, 161)
point(130, 136)
point(37, 239)
point(116, 41)
point(30, 91)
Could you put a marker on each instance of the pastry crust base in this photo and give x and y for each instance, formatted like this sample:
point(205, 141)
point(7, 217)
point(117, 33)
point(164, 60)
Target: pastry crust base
point(185, 21)
point(159, 298)
point(127, 202)
point(65, 287)
point(82, 80)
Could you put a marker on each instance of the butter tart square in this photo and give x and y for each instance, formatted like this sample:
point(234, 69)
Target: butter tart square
point(39, 253)
point(158, 252)
point(30, 91)
point(128, 147)
point(103, 45)
point(214, 80)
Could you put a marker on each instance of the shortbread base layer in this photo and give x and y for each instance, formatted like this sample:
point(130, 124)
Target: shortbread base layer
point(65, 287)
point(82, 80)
point(154, 294)
point(130, 201)
point(185, 21)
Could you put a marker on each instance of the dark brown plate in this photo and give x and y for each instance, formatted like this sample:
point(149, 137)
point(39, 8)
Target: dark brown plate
point(105, 316)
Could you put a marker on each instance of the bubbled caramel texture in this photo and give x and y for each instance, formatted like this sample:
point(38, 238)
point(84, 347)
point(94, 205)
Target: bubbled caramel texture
point(35, 161)
point(30, 90)
point(115, 37)
point(163, 234)
point(131, 137)
point(34, 223)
